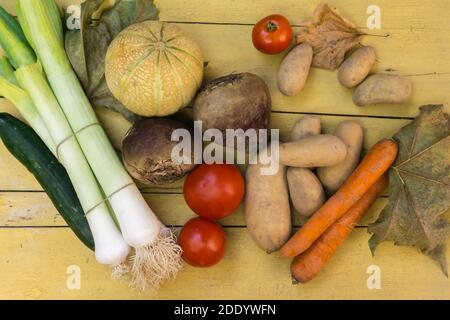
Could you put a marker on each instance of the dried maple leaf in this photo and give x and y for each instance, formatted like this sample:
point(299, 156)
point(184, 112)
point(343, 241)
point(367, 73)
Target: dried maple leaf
point(331, 36)
point(419, 191)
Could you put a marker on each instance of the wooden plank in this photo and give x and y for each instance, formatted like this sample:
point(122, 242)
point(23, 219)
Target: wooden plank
point(34, 265)
point(21, 209)
point(228, 49)
point(394, 14)
point(34, 209)
point(406, 51)
point(418, 45)
point(375, 129)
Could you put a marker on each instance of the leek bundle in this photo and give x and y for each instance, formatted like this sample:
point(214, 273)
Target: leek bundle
point(28, 89)
point(102, 184)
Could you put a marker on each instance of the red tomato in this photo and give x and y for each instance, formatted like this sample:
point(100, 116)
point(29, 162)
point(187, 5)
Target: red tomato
point(272, 34)
point(214, 191)
point(203, 242)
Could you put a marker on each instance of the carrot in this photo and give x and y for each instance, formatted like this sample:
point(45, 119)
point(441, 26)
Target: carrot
point(307, 265)
point(372, 167)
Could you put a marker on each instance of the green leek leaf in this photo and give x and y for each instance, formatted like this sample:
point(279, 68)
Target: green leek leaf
point(13, 41)
point(7, 71)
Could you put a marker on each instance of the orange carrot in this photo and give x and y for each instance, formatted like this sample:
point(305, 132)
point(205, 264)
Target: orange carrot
point(372, 167)
point(307, 265)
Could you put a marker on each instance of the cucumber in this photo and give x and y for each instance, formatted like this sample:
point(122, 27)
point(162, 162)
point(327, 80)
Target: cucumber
point(26, 146)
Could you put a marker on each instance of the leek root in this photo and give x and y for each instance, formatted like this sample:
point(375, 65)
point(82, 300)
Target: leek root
point(155, 263)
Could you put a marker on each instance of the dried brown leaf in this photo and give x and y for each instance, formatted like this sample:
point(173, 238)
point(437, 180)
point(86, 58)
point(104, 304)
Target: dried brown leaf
point(331, 36)
point(419, 188)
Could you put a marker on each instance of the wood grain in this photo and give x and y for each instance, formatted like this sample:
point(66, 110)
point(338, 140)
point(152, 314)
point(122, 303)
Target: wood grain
point(34, 209)
point(36, 247)
point(411, 14)
point(419, 50)
point(34, 266)
point(374, 128)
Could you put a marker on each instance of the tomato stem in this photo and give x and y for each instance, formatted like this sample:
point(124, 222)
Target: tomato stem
point(271, 26)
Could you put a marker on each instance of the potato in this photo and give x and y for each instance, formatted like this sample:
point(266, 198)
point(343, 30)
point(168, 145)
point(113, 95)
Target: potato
point(267, 213)
point(333, 177)
point(356, 67)
point(306, 191)
point(316, 151)
point(304, 127)
point(383, 88)
point(294, 70)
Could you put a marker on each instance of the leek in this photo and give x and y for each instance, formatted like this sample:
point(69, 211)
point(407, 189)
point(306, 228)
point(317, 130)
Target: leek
point(157, 256)
point(9, 88)
point(110, 247)
point(13, 41)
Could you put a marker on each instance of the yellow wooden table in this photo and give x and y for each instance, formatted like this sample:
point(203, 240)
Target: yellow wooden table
point(39, 254)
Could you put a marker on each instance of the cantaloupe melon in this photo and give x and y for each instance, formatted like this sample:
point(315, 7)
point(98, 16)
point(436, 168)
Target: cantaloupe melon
point(153, 68)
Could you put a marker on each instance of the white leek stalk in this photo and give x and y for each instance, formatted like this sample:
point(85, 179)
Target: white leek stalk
point(110, 247)
point(157, 255)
